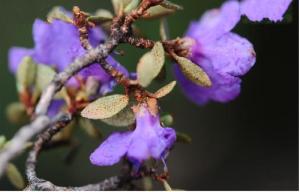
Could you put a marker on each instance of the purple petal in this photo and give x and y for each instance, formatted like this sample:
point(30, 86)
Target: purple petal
point(257, 10)
point(55, 107)
point(230, 54)
point(56, 44)
point(224, 87)
point(112, 149)
point(215, 23)
point(15, 56)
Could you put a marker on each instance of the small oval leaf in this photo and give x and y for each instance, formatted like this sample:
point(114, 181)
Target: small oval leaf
point(192, 71)
point(14, 176)
point(44, 76)
point(2, 141)
point(124, 118)
point(183, 138)
point(132, 5)
point(104, 13)
point(165, 90)
point(119, 4)
point(26, 73)
point(164, 29)
point(157, 12)
point(170, 5)
point(90, 129)
point(58, 13)
point(150, 64)
point(16, 113)
point(105, 107)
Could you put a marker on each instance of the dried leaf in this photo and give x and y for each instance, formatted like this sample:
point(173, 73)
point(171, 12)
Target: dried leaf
point(89, 128)
point(150, 64)
point(165, 90)
point(124, 118)
point(164, 29)
point(183, 138)
point(193, 72)
point(14, 176)
point(157, 12)
point(26, 73)
point(105, 107)
point(58, 13)
point(132, 5)
point(170, 5)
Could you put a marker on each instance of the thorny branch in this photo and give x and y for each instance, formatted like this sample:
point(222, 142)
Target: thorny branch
point(120, 33)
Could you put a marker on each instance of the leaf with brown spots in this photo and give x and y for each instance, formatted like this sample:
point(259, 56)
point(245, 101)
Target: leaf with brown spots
point(192, 71)
point(165, 90)
point(105, 107)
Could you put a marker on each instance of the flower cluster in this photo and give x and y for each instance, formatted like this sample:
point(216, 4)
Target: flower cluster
point(210, 43)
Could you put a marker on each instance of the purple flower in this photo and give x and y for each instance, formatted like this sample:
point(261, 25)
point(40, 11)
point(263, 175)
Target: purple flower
point(149, 139)
point(257, 10)
point(222, 54)
point(57, 44)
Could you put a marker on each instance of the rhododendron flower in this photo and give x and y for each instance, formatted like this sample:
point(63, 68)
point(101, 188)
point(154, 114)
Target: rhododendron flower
point(57, 44)
point(149, 139)
point(224, 55)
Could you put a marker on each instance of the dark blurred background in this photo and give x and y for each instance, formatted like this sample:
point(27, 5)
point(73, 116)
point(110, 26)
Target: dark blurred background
point(250, 143)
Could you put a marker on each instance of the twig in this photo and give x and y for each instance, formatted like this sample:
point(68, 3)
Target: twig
point(36, 183)
point(119, 30)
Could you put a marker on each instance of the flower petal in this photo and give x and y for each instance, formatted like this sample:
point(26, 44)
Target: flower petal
point(231, 54)
point(224, 87)
point(55, 107)
point(111, 150)
point(15, 56)
point(215, 23)
point(257, 10)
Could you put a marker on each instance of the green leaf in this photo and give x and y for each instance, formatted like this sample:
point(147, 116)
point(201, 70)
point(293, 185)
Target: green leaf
point(104, 13)
point(132, 5)
point(150, 64)
point(2, 141)
point(147, 184)
point(119, 4)
point(124, 118)
point(44, 76)
point(170, 5)
point(165, 90)
point(157, 12)
point(193, 72)
point(14, 176)
point(26, 73)
point(16, 113)
point(167, 120)
point(58, 13)
point(105, 107)
point(89, 128)
point(164, 29)
point(183, 138)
